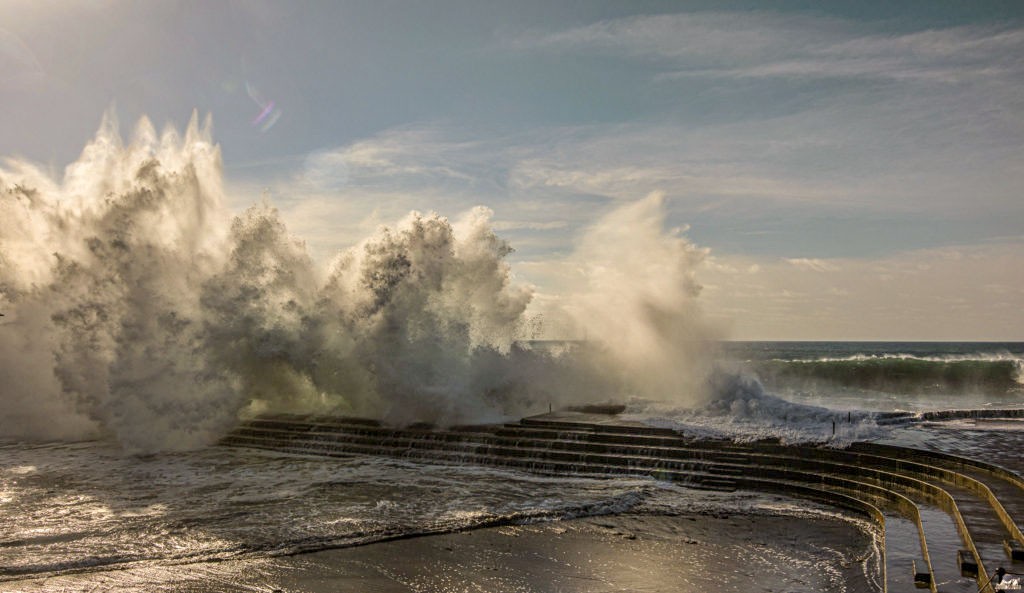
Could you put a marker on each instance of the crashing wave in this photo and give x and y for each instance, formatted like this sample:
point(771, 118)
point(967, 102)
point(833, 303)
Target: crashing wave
point(137, 306)
point(739, 408)
point(992, 374)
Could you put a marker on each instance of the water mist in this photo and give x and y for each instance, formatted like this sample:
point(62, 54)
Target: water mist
point(136, 306)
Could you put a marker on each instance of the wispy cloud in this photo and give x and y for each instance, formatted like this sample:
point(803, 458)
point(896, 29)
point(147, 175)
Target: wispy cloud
point(512, 225)
point(423, 154)
point(19, 65)
point(829, 208)
point(906, 159)
point(765, 45)
point(812, 264)
point(336, 197)
point(956, 292)
point(959, 292)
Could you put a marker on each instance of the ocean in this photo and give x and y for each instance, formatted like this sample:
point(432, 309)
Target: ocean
point(93, 516)
point(143, 319)
point(888, 376)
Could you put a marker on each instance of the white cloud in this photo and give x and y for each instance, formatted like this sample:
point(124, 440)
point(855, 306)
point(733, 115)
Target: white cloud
point(951, 293)
point(813, 264)
point(762, 45)
point(925, 126)
point(925, 120)
point(839, 161)
point(19, 66)
point(423, 153)
point(710, 36)
point(511, 225)
point(685, 178)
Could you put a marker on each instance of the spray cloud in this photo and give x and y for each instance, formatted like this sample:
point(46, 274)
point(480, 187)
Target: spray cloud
point(137, 306)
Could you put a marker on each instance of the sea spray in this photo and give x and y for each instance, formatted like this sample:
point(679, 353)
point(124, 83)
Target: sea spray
point(107, 285)
point(738, 407)
point(638, 301)
point(138, 307)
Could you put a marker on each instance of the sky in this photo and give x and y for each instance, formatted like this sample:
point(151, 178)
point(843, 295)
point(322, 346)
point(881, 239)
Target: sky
point(853, 168)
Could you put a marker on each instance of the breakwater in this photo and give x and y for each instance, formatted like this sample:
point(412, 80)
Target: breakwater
point(960, 511)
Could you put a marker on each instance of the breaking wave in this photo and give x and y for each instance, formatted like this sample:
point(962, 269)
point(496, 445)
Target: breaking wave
point(137, 306)
point(898, 373)
point(738, 407)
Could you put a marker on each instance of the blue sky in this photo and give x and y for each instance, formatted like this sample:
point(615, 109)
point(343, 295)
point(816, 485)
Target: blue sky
point(854, 168)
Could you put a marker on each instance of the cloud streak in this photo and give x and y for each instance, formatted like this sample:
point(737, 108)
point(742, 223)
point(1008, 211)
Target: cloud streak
point(839, 161)
point(767, 45)
point(949, 293)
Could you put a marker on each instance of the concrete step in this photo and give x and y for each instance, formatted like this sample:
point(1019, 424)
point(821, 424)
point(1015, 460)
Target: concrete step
point(864, 474)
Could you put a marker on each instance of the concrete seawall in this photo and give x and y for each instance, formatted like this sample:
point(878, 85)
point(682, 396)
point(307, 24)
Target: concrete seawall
point(876, 481)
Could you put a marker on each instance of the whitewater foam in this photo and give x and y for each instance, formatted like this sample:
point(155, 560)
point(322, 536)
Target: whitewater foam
point(739, 408)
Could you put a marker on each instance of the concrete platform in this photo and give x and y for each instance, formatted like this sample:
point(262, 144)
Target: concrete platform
point(947, 497)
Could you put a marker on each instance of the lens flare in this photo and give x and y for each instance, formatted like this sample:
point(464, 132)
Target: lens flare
point(269, 112)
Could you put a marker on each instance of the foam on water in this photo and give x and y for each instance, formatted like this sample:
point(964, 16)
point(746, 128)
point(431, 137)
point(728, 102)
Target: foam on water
point(738, 407)
point(76, 506)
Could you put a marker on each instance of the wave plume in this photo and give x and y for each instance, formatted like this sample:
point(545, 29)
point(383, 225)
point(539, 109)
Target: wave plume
point(137, 306)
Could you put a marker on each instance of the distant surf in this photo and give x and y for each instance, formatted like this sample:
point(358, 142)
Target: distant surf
point(901, 373)
point(920, 368)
